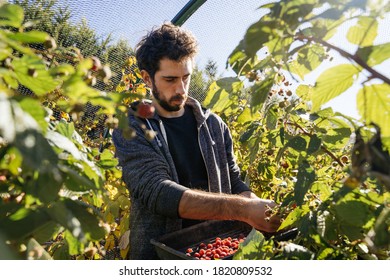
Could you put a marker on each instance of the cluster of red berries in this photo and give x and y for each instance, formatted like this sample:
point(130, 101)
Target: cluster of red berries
point(217, 249)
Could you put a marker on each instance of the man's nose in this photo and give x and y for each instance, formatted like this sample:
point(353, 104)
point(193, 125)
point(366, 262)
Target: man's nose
point(181, 87)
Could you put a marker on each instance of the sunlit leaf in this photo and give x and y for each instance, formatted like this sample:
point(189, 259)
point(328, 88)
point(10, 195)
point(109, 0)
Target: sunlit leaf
point(332, 82)
point(257, 35)
point(31, 72)
point(374, 55)
point(254, 247)
point(373, 104)
point(33, 36)
point(75, 246)
point(34, 108)
point(260, 93)
point(107, 160)
point(293, 217)
point(297, 252)
point(35, 251)
point(364, 32)
point(11, 15)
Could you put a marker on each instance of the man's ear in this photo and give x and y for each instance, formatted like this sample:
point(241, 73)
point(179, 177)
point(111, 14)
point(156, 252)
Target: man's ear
point(147, 79)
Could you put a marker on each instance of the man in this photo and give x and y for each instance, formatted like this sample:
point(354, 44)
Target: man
point(187, 173)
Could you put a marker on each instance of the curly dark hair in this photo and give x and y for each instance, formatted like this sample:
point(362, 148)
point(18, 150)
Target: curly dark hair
point(166, 41)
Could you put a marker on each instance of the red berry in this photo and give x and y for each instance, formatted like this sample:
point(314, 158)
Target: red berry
point(145, 110)
point(189, 250)
point(96, 64)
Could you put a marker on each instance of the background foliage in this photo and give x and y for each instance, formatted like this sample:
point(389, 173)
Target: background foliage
point(61, 193)
point(329, 172)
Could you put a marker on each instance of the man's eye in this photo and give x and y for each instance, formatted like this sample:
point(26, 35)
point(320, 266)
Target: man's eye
point(169, 80)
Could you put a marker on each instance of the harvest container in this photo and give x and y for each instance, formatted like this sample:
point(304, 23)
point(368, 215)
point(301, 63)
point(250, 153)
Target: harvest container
point(173, 246)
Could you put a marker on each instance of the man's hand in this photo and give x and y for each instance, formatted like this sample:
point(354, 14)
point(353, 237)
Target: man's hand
point(260, 215)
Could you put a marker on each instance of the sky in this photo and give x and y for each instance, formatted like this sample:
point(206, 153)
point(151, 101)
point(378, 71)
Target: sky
point(219, 25)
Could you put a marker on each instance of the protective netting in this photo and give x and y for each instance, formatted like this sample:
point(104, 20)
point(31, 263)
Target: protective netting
point(218, 26)
point(126, 21)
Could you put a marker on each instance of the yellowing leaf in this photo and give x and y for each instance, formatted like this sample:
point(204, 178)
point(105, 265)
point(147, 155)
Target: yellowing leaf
point(364, 32)
point(332, 82)
point(373, 104)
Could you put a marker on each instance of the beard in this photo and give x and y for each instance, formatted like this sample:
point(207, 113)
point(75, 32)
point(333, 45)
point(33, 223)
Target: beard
point(166, 104)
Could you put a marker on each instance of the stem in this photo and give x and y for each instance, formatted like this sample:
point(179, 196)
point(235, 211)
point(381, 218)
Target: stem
point(355, 58)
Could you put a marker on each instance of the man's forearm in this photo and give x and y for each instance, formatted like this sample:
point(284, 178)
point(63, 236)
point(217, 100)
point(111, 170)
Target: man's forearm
point(210, 206)
point(247, 208)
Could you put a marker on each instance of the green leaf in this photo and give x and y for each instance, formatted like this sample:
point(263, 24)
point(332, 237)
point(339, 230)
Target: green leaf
point(255, 247)
point(4, 52)
point(35, 251)
point(306, 177)
point(62, 69)
point(257, 35)
point(266, 171)
point(304, 92)
point(36, 151)
point(332, 82)
point(46, 232)
point(75, 180)
point(364, 32)
point(64, 143)
point(298, 143)
point(353, 213)
point(34, 108)
point(31, 72)
point(314, 144)
point(293, 217)
point(279, 47)
point(239, 61)
point(217, 98)
point(380, 233)
point(297, 252)
point(48, 184)
point(248, 133)
point(245, 116)
point(33, 36)
point(107, 160)
point(75, 246)
point(374, 55)
point(260, 93)
point(77, 219)
point(23, 223)
point(11, 15)
point(311, 56)
point(373, 104)
point(14, 165)
point(230, 84)
point(271, 119)
point(66, 129)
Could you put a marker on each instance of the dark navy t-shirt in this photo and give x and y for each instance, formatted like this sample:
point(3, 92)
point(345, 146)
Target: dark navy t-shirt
point(182, 135)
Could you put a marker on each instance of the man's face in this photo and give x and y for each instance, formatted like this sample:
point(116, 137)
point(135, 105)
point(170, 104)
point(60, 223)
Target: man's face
point(170, 86)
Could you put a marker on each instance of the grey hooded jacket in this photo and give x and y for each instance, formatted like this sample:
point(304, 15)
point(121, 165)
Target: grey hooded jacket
point(149, 172)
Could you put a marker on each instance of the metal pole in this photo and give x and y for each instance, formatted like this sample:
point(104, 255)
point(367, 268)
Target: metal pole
point(187, 11)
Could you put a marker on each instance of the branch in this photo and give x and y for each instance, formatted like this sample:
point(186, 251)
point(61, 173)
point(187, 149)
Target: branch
point(323, 147)
point(355, 58)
